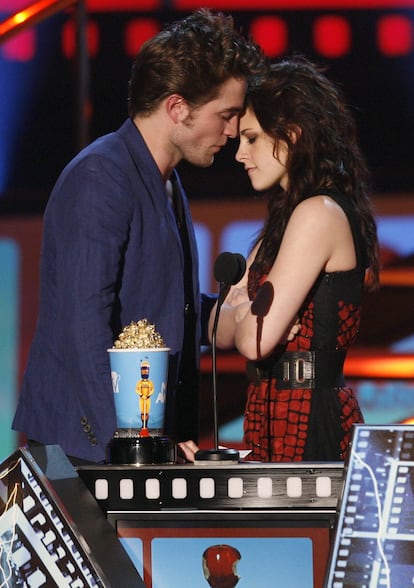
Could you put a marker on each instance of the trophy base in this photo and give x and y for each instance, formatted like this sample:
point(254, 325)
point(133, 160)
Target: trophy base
point(141, 450)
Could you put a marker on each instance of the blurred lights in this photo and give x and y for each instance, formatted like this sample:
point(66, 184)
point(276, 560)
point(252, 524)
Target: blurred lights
point(20, 17)
point(31, 15)
point(357, 365)
point(120, 5)
point(271, 33)
point(395, 35)
point(332, 36)
point(227, 5)
point(137, 31)
point(386, 366)
point(21, 48)
point(69, 39)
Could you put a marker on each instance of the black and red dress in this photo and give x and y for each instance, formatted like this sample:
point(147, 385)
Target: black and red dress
point(298, 408)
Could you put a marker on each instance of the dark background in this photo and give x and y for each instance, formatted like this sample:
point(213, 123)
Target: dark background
point(379, 89)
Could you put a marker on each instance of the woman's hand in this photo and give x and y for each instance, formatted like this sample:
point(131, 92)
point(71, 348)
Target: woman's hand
point(236, 296)
point(294, 330)
point(186, 451)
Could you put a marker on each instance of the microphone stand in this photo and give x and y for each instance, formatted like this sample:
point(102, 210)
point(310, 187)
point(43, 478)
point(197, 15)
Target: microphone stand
point(223, 293)
point(217, 454)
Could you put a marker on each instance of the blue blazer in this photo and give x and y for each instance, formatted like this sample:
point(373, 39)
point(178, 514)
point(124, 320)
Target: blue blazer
point(111, 254)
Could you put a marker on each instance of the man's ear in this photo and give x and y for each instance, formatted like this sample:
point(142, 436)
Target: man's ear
point(176, 108)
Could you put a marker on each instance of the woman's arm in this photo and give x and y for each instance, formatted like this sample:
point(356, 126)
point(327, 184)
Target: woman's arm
point(237, 296)
point(317, 238)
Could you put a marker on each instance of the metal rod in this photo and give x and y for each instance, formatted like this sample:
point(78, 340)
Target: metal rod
point(83, 106)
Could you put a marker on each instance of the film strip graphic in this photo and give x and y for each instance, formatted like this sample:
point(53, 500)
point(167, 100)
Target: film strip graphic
point(240, 486)
point(37, 546)
point(374, 543)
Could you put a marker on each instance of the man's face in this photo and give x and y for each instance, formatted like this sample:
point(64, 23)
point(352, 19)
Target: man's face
point(206, 129)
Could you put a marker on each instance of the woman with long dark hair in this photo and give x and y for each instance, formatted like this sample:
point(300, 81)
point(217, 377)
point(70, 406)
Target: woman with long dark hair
point(297, 310)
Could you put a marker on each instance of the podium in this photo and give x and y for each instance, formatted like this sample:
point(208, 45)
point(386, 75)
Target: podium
point(152, 526)
point(280, 518)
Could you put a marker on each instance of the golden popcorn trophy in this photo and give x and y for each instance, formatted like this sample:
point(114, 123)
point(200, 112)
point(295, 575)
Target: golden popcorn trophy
point(139, 372)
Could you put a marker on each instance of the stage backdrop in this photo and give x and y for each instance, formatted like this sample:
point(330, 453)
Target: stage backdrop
point(220, 226)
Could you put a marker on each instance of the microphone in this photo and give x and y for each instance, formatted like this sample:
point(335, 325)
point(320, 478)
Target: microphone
point(229, 268)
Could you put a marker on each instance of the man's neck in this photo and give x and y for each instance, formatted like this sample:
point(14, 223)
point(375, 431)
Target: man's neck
point(155, 132)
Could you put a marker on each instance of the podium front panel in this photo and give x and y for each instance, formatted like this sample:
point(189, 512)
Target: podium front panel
point(278, 518)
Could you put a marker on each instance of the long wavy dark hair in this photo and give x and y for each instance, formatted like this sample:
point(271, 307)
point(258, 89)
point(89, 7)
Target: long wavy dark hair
point(324, 155)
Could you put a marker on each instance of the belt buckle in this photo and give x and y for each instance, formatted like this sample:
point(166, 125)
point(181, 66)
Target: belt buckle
point(298, 370)
point(304, 370)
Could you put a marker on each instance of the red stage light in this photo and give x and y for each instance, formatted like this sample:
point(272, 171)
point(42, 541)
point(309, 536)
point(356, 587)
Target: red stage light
point(22, 47)
point(395, 34)
point(138, 31)
point(332, 36)
point(271, 33)
point(123, 5)
point(69, 39)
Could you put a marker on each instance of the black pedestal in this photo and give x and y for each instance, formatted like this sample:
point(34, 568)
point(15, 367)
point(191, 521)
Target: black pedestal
point(141, 450)
point(221, 456)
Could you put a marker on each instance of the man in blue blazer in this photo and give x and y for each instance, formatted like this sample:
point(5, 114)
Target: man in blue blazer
point(113, 251)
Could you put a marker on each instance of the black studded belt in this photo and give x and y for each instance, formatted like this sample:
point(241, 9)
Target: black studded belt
point(300, 369)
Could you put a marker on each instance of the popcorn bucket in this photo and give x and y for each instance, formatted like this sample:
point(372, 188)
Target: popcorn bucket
point(139, 382)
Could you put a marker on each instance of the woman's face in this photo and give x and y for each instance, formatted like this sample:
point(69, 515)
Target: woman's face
point(265, 165)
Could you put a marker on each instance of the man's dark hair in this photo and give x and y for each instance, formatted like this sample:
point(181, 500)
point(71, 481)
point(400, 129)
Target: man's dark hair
point(191, 57)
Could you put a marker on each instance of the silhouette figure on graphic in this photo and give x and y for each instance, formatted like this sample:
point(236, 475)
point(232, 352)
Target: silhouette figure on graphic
point(219, 566)
point(144, 389)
